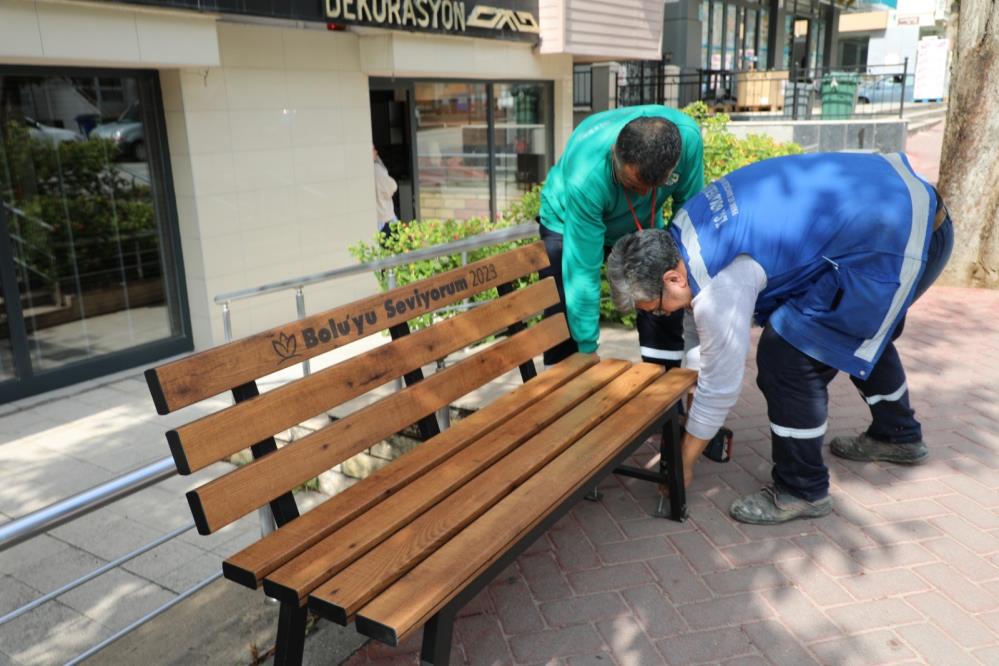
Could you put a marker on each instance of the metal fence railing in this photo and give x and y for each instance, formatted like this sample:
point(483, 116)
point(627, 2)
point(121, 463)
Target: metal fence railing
point(582, 86)
point(797, 94)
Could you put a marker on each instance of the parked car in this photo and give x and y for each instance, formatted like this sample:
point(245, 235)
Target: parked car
point(54, 134)
point(885, 88)
point(127, 132)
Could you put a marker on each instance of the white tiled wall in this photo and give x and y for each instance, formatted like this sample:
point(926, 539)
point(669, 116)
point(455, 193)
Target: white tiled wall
point(271, 154)
point(80, 33)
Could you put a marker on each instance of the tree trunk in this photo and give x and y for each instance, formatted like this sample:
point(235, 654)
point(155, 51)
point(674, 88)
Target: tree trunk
point(969, 164)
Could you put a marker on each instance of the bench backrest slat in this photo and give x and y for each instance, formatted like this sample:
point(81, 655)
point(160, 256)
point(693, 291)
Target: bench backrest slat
point(223, 500)
point(222, 368)
point(216, 436)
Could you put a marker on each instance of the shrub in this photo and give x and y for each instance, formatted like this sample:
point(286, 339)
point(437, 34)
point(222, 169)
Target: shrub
point(723, 152)
point(409, 236)
point(78, 208)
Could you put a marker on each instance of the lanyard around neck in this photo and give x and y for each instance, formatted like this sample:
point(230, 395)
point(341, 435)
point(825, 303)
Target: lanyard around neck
point(634, 216)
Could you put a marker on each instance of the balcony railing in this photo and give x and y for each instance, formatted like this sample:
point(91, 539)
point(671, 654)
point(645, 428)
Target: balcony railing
point(582, 86)
point(798, 94)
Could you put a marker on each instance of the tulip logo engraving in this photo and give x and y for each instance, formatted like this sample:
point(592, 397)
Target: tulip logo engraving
point(286, 347)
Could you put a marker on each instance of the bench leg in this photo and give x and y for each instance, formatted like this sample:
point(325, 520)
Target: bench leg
point(671, 467)
point(291, 635)
point(437, 636)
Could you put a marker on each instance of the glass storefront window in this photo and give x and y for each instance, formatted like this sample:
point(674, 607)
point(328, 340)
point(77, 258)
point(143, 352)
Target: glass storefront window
point(452, 146)
point(83, 233)
point(717, 15)
point(788, 40)
point(703, 14)
point(7, 370)
point(764, 40)
point(820, 44)
point(749, 54)
point(730, 24)
point(521, 117)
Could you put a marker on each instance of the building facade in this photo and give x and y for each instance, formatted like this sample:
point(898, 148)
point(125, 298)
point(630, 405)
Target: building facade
point(157, 153)
point(741, 35)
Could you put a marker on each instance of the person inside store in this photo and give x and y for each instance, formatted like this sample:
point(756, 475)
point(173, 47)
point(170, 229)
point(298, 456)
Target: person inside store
point(385, 188)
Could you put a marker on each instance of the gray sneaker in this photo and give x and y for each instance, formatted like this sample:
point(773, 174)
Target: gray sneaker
point(772, 505)
point(866, 449)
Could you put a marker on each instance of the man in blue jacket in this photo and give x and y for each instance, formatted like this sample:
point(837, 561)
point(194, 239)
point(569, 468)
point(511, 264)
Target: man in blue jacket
point(826, 252)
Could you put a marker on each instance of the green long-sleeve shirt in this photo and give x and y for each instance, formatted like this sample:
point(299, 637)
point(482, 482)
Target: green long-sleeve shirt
point(582, 201)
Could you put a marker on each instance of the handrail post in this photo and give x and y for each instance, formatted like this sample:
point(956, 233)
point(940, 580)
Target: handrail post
point(444, 413)
point(300, 306)
point(390, 283)
point(464, 262)
point(794, 92)
point(227, 322)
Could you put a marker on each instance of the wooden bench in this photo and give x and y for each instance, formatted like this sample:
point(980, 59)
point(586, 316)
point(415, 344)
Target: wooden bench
point(412, 543)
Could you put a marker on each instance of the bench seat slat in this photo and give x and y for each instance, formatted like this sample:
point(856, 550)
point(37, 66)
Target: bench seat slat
point(258, 560)
point(223, 500)
point(347, 591)
point(562, 410)
point(415, 597)
point(213, 371)
point(216, 436)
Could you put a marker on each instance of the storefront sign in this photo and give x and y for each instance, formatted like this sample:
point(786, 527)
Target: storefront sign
point(931, 69)
point(492, 19)
point(452, 16)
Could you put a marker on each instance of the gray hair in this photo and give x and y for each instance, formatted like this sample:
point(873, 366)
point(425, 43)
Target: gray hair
point(636, 266)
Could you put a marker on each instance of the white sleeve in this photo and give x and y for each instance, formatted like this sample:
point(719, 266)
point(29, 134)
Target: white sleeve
point(385, 184)
point(723, 314)
point(691, 343)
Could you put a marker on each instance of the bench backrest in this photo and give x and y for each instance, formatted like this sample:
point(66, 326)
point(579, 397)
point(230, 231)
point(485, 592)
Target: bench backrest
point(256, 418)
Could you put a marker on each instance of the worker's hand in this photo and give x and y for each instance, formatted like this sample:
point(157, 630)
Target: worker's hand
point(691, 450)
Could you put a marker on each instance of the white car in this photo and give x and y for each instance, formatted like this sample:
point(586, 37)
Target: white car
point(127, 131)
point(54, 134)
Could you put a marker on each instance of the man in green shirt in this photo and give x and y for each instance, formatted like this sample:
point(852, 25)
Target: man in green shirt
point(613, 178)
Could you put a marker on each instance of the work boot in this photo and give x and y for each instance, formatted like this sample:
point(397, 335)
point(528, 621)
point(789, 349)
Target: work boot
point(772, 505)
point(867, 449)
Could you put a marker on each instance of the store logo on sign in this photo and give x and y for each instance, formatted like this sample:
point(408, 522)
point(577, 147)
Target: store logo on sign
point(449, 15)
point(494, 18)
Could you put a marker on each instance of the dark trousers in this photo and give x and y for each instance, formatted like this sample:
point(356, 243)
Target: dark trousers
point(660, 338)
point(795, 386)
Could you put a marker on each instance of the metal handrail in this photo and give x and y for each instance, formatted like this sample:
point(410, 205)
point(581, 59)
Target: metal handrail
point(525, 230)
point(63, 511)
point(145, 618)
point(30, 218)
point(100, 571)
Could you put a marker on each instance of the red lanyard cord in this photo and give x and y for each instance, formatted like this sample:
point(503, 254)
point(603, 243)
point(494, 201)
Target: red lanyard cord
point(634, 216)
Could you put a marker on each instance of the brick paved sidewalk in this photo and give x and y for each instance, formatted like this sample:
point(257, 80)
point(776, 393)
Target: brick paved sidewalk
point(905, 570)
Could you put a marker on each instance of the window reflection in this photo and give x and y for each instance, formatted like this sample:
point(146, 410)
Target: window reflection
point(83, 230)
point(452, 150)
point(521, 139)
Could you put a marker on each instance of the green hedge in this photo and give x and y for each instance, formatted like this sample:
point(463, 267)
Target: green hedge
point(78, 208)
point(723, 152)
